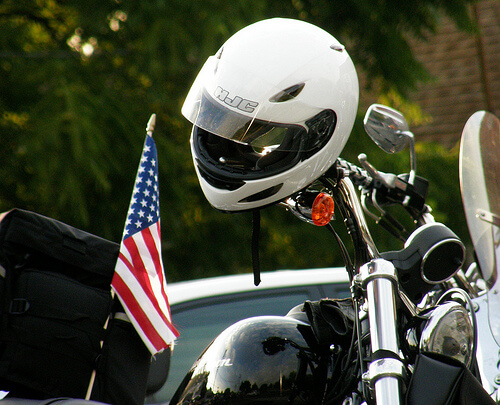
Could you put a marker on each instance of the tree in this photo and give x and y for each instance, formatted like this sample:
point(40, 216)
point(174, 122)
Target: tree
point(79, 79)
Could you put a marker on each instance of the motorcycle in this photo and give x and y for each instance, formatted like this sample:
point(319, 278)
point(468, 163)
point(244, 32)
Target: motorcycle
point(417, 328)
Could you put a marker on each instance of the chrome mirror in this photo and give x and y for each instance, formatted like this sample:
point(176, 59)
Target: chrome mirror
point(387, 127)
point(389, 130)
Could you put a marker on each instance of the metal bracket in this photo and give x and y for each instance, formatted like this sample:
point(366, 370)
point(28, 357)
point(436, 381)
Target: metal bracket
point(488, 217)
point(388, 367)
point(377, 268)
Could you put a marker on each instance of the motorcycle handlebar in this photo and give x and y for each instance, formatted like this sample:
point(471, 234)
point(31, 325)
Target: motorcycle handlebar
point(358, 175)
point(390, 188)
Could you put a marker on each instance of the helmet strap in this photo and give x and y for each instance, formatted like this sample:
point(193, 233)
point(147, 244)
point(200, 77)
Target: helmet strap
point(255, 246)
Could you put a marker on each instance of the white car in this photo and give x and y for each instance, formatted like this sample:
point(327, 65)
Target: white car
point(201, 309)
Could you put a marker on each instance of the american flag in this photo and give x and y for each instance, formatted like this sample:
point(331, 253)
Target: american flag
point(139, 278)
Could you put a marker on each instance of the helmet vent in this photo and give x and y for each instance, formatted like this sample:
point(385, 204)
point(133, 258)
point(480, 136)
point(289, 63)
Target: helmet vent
point(288, 93)
point(338, 47)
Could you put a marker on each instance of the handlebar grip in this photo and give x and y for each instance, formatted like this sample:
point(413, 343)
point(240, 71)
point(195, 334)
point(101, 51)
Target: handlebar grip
point(358, 175)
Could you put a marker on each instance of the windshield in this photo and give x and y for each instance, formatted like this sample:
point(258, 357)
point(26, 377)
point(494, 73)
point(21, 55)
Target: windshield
point(480, 186)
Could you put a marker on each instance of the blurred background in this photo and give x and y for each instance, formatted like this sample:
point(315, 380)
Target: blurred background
point(79, 80)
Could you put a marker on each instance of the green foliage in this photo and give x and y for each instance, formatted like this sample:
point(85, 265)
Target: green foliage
point(80, 78)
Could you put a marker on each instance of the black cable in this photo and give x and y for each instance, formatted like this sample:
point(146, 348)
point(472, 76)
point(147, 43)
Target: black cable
point(344, 252)
point(255, 246)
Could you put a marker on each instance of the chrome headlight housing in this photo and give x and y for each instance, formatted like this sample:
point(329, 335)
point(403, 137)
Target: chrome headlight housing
point(449, 331)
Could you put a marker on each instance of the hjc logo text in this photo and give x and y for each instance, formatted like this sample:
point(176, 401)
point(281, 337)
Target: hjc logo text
point(238, 102)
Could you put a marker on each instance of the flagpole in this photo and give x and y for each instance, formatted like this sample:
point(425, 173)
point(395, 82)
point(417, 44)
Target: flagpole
point(151, 125)
point(149, 131)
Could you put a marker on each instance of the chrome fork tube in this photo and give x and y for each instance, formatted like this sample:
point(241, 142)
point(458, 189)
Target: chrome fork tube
point(386, 370)
point(378, 278)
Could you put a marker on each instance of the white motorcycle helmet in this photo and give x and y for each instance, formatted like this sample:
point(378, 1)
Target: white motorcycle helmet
point(271, 112)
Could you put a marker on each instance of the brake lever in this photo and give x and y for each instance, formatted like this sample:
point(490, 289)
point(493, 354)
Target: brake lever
point(386, 220)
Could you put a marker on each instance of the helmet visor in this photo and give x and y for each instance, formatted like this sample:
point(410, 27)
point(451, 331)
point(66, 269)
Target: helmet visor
point(206, 112)
point(262, 136)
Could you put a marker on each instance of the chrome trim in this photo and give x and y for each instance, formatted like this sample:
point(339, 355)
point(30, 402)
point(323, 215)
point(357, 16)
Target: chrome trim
point(430, 251)
point(368, 273)
point(385, 368)
point(435, 318)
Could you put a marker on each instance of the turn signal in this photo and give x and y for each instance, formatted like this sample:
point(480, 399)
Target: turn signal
point(322, 209)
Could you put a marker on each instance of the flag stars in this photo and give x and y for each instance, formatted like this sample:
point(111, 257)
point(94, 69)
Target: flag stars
point(144, 209)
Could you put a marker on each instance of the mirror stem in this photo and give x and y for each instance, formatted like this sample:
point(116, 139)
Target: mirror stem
point(413, 157)
point(413, 162)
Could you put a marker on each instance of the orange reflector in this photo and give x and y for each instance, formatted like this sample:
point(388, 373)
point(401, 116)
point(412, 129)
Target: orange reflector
point(322, 209)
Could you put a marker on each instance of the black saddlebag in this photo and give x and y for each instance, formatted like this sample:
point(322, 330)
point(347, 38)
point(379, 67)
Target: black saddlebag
point(441, 380)
point(51, 333)
point(55, 297)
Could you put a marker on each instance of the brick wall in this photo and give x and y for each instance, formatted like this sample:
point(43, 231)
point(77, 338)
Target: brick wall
point(466, 75)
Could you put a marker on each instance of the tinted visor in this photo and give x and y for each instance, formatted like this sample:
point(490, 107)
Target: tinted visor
point(262, 136)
